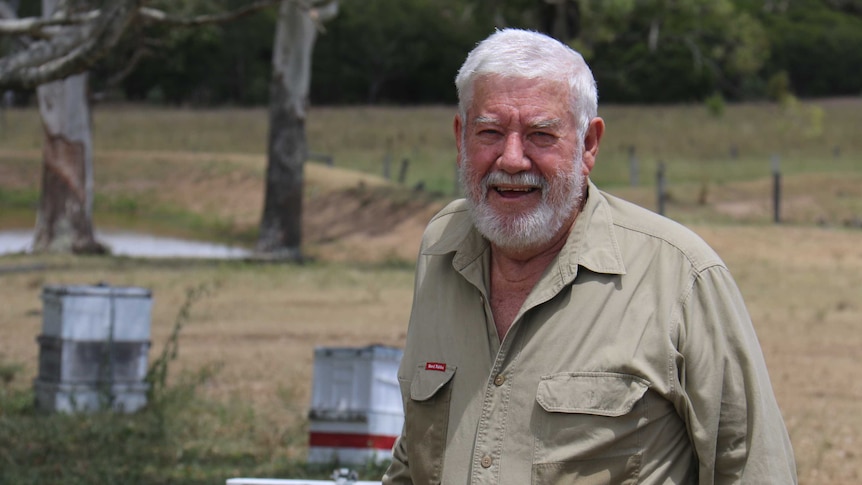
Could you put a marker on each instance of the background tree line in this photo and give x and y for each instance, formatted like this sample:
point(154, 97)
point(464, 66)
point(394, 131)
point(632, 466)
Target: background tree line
point(407, 51)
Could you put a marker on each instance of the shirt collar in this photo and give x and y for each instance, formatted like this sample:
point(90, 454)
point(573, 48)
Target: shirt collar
point(591, 244)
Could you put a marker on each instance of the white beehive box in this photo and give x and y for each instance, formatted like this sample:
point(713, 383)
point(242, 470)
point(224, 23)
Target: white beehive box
point(94, 348)
point(70, 398)
point(77, 361)
point(96, 312)
point(356, 412)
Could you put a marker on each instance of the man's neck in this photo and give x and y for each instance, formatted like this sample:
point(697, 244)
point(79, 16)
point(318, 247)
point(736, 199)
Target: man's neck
point(515, 273)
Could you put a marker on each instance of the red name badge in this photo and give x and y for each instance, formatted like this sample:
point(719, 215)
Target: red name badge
point(438, 366)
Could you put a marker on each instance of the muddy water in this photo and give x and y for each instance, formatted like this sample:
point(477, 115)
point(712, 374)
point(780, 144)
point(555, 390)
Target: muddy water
point(135, 244)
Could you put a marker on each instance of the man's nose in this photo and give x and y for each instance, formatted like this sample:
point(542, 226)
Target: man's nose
point(513, 159)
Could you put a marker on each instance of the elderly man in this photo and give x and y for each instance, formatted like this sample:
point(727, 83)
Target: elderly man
point(561, 335)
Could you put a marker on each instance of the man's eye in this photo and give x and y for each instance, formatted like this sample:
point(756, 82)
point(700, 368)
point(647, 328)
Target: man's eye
point(488, 135)
point(542, 138)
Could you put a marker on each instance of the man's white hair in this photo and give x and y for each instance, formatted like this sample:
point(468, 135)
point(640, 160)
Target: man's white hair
point(515, 53)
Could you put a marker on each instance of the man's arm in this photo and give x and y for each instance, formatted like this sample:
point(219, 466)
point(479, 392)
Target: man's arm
point(398, 472)
point(731, 412)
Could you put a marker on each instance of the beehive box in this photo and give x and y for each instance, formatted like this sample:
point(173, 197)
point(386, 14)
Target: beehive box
point(94, 348)
point(74, 361)
point(356, 412)
point(70, 398)
point(98, 312)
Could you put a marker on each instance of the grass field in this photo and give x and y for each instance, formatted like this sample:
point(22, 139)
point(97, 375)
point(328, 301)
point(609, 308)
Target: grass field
point(247, 347)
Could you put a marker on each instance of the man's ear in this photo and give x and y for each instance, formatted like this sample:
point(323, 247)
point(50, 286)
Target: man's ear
point(591, 143)
point(458, 138)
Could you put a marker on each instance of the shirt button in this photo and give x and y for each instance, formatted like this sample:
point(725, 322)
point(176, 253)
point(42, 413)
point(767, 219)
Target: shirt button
point(499, 380)
point(486, 461)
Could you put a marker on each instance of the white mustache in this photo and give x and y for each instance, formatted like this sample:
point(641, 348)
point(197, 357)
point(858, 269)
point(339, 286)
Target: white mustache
point(528, 179)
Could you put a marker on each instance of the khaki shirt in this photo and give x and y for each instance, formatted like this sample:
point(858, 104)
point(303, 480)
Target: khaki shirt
point(633, 360)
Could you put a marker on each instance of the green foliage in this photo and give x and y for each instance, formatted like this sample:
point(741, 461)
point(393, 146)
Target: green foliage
point(673, 51)
point(393, 51)
point(408, 51)
point(778, 87)
point(200, 65)
point(715, 104)
point(8, 371)
point(817, 44)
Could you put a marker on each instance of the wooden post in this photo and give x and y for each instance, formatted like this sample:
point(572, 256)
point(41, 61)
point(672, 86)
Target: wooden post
point(776, 188)
point(660, 187)
point(402, 174)
point(387, 161)
point(634, 169)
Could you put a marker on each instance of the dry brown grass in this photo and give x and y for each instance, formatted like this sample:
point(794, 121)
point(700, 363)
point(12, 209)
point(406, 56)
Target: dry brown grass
point(261, 323)
point(802, 286)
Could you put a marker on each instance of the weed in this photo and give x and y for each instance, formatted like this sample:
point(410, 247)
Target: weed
point(157, 374)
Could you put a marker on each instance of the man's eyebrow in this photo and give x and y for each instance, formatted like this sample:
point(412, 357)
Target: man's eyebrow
point(548, 123)
point(539, 124)
point(485, 120)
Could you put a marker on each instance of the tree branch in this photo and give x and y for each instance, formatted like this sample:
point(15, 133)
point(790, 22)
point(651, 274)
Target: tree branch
point(49, 60)
point(159, 16)
point(86, 37)
point(35, 26)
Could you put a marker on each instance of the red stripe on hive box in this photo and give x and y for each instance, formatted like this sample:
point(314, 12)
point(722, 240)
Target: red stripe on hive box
point(349, 440)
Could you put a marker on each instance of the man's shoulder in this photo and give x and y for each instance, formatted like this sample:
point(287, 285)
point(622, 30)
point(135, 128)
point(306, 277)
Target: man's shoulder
point(636, 223)
point(453, 210)
point(447, 229)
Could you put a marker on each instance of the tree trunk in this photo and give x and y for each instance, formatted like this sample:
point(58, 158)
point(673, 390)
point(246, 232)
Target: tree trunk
point(64, 221)
point(280, 228)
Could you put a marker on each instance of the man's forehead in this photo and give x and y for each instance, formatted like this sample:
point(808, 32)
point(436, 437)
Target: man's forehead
point(492, 96)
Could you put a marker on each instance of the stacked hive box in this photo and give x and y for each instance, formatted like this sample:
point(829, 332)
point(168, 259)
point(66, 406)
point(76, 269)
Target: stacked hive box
point(93, 350)
point(356, 411)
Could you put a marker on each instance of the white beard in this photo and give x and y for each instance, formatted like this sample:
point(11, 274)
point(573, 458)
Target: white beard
point(561, 196)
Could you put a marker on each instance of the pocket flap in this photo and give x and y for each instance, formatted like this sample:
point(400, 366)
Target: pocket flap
point(428, 380)
point(598, 393)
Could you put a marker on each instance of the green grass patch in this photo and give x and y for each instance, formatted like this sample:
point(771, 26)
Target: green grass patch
point(117, 210)
point(10, 199)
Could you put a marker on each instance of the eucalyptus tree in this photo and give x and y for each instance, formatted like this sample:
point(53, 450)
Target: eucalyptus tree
point(281, 224)
point(71, 36)
point(59, 48)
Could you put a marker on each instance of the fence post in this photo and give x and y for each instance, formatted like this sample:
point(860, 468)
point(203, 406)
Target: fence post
point(402, 175)
point(660, 187)
point(634, 169)
point(776, 188)
point(387, 161)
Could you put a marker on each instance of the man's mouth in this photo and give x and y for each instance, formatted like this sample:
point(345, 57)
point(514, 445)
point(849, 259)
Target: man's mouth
point(507, 191)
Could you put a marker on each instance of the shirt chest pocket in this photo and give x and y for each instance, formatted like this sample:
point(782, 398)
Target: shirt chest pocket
point(427, 421)
point(587, 426)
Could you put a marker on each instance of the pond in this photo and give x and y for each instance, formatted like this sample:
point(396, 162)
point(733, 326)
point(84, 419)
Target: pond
point(124, 243)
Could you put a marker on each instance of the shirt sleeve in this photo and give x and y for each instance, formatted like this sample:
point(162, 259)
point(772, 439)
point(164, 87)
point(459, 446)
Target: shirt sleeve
point(732, 416)
point(398, 472)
